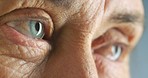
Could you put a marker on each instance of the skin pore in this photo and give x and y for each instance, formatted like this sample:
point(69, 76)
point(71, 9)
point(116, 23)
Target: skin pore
point(80, 38)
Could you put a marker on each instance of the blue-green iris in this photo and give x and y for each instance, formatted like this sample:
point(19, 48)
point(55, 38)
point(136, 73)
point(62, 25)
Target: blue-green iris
point(36, 29)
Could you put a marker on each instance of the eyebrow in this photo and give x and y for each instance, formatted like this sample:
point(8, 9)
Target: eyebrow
point(134, 17)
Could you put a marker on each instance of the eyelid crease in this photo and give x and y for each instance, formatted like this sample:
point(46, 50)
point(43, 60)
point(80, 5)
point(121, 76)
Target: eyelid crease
point(111, 43)
point(26, 13)
point(111, 36)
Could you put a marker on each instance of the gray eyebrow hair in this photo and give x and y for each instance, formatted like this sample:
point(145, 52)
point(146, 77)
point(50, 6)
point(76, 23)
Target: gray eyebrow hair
point(127, 18)
point(63, 3)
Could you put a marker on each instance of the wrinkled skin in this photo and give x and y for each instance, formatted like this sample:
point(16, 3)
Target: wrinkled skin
point(74, 29)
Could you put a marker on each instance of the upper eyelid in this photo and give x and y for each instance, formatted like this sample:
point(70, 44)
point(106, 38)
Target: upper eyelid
point(113, 43)
point(110, 37)
point(25, 14)
point(24, 18)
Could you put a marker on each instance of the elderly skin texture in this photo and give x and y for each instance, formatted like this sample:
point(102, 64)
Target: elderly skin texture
point(68, 50)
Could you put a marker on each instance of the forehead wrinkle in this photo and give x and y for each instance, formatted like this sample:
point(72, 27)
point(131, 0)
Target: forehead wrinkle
point(63, 3)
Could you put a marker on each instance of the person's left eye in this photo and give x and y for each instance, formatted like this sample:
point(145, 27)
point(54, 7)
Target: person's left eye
point(112, 45)
point(116, 52)
point(112, 52)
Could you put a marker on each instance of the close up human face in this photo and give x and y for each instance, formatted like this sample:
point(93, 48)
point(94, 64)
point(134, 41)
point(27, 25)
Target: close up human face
point(68, 38)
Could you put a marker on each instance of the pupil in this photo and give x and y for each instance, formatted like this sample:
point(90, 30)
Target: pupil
point(37, 26)
point(116, 49)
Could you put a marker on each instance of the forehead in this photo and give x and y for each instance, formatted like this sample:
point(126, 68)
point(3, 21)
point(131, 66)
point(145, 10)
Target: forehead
point(126, 5)
point(125, 11)
point(62, 3)
point(67, 3)
point(112, 7)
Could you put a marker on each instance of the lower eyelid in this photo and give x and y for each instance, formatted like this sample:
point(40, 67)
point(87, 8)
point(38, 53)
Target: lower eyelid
point(20, 26)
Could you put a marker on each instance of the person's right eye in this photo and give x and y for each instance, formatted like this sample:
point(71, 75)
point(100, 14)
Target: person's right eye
point(30, 28)
point(33, 23)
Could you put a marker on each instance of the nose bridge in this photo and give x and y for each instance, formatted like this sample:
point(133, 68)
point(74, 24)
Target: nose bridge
point(72, 56)
point(75, 49)
point(82, 60)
